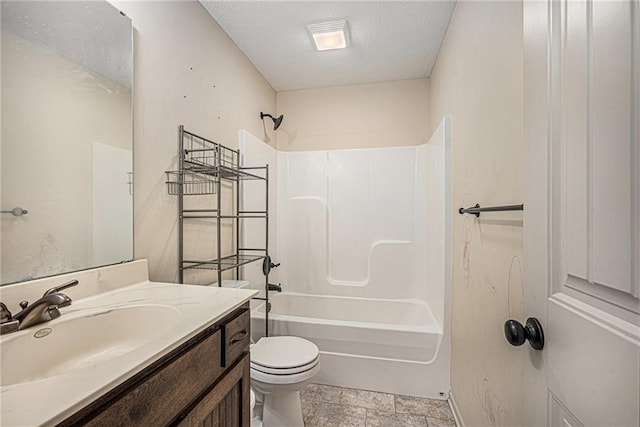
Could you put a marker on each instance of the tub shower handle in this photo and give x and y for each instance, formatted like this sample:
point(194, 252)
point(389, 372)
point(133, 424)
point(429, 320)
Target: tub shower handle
point(240, 336)
point(517, 334)
point(267, 265)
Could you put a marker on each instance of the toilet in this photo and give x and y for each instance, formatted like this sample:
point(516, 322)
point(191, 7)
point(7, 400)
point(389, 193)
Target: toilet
point(281, 366)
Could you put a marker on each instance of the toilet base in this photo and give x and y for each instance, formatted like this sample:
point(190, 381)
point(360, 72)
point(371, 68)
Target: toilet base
point(282, 410)
point(256, 410)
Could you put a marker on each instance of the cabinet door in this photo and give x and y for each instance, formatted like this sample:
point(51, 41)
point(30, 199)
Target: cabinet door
point(226, 404)
point(155, 396)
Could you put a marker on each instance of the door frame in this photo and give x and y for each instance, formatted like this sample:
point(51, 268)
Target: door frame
point(538, 112)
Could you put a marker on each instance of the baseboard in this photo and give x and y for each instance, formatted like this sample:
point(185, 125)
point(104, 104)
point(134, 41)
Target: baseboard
point(455, 410)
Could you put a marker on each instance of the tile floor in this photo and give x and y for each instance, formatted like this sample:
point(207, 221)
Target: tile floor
point(329, 406)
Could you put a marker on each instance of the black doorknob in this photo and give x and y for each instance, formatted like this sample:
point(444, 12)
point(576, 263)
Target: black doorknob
point(517, 334)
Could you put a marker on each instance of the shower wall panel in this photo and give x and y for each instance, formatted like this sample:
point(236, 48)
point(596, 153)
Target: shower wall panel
point(254, 152)
point(357, 223)
point(347, 221)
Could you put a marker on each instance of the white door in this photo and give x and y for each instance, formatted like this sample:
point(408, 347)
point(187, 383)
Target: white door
point(582, 214)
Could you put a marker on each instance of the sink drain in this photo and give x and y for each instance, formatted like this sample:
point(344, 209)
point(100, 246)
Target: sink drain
point(42, 332)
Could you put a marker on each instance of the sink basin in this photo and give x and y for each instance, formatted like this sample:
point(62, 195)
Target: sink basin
point(82, 341)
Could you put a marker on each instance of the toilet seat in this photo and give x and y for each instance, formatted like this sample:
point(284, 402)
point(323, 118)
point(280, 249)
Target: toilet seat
point(283, 353)
point(286, 379)
point(284, 356)
point(284, 371)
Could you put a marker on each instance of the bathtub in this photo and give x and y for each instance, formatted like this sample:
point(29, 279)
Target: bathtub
point(375, 344)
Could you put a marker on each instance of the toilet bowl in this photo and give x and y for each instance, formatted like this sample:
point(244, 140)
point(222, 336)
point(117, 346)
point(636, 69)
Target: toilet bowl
point(280, 368)
point(256, 421)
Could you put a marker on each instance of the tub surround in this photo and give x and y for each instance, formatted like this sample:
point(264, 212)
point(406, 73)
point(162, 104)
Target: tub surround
point(102, 290)
point(366, 269)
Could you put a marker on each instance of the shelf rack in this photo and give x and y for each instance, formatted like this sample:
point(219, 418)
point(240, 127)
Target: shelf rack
point(203, 166)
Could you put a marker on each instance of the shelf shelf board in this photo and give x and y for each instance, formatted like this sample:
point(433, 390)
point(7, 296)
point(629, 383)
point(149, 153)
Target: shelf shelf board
point(226, 263)
point(264, 216)
point(229, 172)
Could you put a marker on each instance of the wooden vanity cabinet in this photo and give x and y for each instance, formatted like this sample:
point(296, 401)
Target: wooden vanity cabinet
point(204, 382)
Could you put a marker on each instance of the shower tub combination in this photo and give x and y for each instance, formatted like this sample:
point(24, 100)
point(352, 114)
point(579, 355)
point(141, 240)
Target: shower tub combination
point(373, 297)
point(371, 344)
point(388, 329)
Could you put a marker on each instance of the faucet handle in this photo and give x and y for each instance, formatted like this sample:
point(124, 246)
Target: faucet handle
point(57, 289)
point(66, 301)
point(7, 322)
point(54, 312)
point(5, 314)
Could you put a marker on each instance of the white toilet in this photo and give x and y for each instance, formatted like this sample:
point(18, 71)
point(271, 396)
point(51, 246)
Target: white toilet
point(280, 368)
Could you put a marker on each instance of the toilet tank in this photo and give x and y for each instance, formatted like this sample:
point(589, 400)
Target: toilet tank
point(239, 284)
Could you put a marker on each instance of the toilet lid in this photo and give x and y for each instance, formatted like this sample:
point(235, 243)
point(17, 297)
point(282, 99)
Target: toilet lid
point(283, 352)
point(279, 372)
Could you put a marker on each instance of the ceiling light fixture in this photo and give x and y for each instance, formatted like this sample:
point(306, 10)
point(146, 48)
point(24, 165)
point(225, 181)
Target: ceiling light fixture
point(330, 35)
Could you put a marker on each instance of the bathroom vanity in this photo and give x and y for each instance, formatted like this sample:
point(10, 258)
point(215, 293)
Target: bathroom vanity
point(128, 351)
point(205, 381)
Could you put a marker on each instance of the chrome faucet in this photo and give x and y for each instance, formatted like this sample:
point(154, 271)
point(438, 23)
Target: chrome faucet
point(42, 310)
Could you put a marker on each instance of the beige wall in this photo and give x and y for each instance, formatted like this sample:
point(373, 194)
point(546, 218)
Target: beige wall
point(356, 116)
point(477, 80)
point(187, 71)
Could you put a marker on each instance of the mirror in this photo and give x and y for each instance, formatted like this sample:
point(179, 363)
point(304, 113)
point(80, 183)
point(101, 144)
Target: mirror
point(66, 148)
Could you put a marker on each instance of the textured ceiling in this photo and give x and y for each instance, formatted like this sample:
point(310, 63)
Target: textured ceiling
point(92, 34)
point(390, 40)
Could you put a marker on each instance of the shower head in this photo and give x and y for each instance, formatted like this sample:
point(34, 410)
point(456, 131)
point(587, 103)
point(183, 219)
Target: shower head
point(277, 121)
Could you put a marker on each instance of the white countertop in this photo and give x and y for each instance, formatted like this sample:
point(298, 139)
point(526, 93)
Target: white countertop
point(52, 399)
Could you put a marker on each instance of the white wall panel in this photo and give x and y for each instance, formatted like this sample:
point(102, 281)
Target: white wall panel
point(610, 124)
point(352, 222)
point(598, 183)
point(575, 131)
point(392, 178)
point(350, 216)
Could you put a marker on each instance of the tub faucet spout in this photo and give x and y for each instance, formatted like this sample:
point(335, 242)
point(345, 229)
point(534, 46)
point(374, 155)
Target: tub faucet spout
point(274, 287)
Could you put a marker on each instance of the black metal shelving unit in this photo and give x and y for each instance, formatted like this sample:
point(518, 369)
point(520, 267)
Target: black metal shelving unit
point(203, 167)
